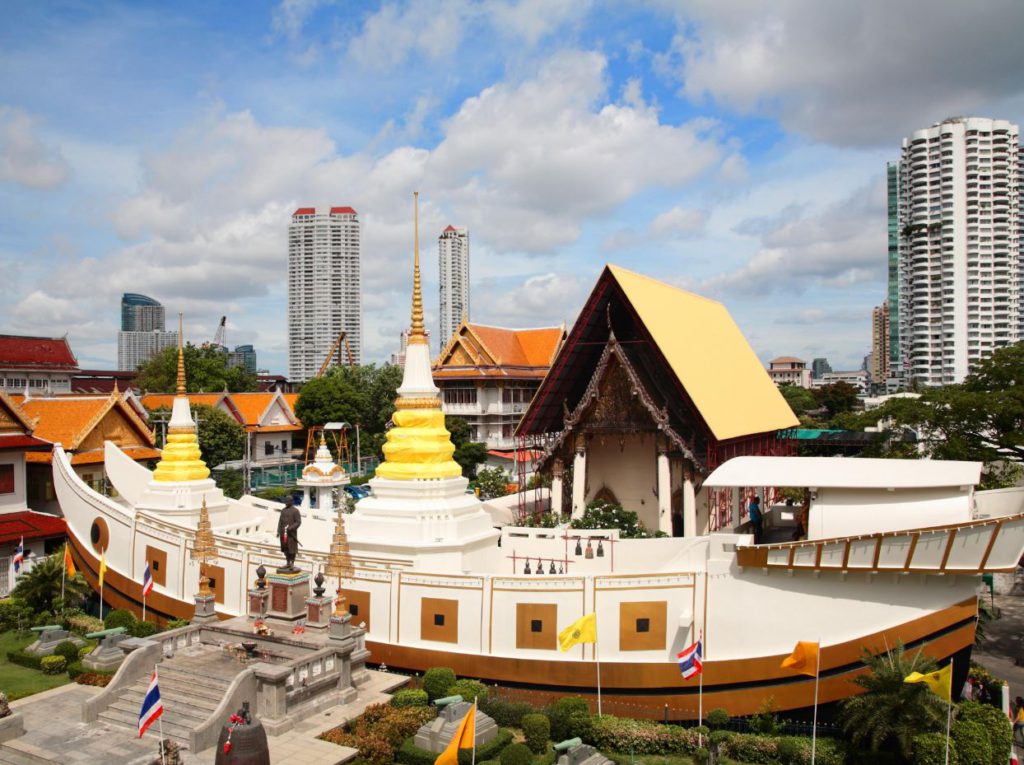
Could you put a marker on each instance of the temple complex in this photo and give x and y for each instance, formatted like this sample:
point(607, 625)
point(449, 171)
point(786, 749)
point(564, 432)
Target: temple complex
point(653, 388)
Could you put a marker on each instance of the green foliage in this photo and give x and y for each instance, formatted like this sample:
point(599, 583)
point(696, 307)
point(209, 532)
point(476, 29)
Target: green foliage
point(53, 665)
point(765, 722)
point(82, 624)
point(410, 697)
point(642, 736)
point(143, 629)
point(492, 482)
point(119, 617)
point(68, 650)
point(892, 712)
point(410, 754)
point(536, 732)
point(14, 615)
point(717, 718)
point(84, 651)
point(231, 482)
point(437, 681)
point(39, 588)
point(206, 370)
point(560, 714)
point(516, 754)
point(24, 659)
point(930, 749)
point(468, 453)
point(837, 397)
point(608, 515)
point(379, 731)
point(174, 624)
point(800, 400)
point(507, 714)
point(221, 437)
point(972, 742)
point(468, 689)
point(995, 723)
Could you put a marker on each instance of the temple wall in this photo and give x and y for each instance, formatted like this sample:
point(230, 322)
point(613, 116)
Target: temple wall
point(630, 473)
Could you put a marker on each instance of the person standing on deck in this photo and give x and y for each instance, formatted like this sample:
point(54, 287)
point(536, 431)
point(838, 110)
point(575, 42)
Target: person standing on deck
point(756, 519)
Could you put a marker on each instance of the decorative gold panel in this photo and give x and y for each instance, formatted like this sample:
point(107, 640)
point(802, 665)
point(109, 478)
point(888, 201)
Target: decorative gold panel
point(157, 560)
point(439, 620)
point(536, 626)
point(216, 575)
point(642, 626)
point(358, 606)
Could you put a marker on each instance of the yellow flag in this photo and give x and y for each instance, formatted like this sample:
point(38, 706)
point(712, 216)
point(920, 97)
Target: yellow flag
point(103, 565)
point(940, 682)
point(463, 739)
point(804, 659)
point(583, 630)
point(69, 564)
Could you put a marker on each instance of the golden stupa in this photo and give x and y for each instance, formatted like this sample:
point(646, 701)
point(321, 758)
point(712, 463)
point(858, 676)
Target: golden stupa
point(180, 459)
point(418, 446)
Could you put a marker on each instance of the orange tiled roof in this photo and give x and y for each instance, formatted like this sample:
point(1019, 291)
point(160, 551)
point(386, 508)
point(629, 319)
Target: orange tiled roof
point(69, 419)
point(291, 398)
point(252, 406)
point(501, 352)
point(278, 428)
point(95, 456)
point(166, 400)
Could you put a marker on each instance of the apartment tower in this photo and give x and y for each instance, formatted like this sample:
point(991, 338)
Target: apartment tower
point(143, 333)
point(878, 367)
point(453, 263)
point(958, 187)
point(324, 287)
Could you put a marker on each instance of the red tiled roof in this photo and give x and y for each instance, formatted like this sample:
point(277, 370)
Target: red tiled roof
point(450, 228)
point(342, 211)
point(304, 211)
point(30, 525)
point(36, 353)
point(19, 441)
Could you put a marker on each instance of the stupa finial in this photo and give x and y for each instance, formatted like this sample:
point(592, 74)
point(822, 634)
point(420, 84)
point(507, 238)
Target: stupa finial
point(417, 334)
point(181, 355)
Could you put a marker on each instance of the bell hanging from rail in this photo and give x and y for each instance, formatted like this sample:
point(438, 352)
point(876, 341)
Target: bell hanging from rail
point(579, 547)
point(560, 571)
point(527, 569)
point(590, 550)
point(600, 548)
point(540, 566)
point(552, 569)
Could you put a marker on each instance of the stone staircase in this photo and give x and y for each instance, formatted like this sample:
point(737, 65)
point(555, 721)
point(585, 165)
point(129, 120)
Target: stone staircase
point(192, 684)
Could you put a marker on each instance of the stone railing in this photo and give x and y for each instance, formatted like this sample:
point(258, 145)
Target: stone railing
point(143, 655)
point(242, 688)
point(173, 640)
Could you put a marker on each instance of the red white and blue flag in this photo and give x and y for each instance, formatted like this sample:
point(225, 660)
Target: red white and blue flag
point(19, 555)
point(147, 582)
point(152, 707)
point(690, 660)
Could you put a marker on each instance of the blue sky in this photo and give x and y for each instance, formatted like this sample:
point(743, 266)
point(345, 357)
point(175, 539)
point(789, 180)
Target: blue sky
point(732, 148)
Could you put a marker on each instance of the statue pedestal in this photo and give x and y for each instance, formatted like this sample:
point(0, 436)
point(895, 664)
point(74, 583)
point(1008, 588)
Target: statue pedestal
point(318, 612)
point(258, 602)
point(205, 609)
point(288, 594)
point(339, 627)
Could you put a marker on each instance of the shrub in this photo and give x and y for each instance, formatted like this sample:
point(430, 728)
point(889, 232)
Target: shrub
point(98, 679)
point(468, 689)
point(24, 659)
point(580, 725)
point(84, 624)
point(174, 624)
point(54, 665)
point(600, 514)
point(410, 754)
point(143, 629)
point(765, 721)
point(84, 651)
point(641, 736)
point(560, 712)
point(995, 723)
point(717, 718)
point(516, 754)
point(437, 681)
point(410, 697)
point(536, 731)
point(790, 751)
point(119, 617)
point(68, 650)
point(14, 614)
point(507, 714)
point(930, 749)
point(972, 743)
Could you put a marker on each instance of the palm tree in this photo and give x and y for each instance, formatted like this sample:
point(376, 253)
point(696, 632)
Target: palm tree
point(39, 587)
point(892, 711)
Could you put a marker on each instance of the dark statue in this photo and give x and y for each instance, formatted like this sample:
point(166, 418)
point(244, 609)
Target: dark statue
point(287, 532)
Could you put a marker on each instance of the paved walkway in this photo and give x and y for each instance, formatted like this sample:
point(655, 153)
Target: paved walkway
point(55, 734)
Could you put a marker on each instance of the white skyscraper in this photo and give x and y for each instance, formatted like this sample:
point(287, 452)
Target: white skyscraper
point(142, 334)
point(324, 287)
point(453, 262)
point(959, 267)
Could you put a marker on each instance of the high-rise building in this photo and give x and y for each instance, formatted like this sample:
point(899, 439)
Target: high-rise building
point(243, 356)
point(143, 333)
point(819, 367)
point(324, 287)
point(959, 246)
point(878, 367)
point(893, 197)
point(453, 263)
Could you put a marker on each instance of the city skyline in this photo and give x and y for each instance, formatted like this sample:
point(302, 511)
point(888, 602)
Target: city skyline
point(542, 127)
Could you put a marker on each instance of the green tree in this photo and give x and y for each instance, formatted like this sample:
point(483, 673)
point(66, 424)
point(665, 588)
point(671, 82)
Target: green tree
point(221, 437)
point(609, 515)
point(837, 397)
point(892, 712)
point(468, 453)
point(492, 482)
point(800, 399)
point(39, 587)
point(231, 482)
point(206, 370)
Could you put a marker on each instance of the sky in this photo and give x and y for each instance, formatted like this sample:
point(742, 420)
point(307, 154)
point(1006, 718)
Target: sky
point(736, 149)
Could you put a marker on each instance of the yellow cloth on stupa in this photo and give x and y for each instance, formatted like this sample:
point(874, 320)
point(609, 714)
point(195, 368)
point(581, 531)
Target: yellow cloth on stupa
point(418, 447)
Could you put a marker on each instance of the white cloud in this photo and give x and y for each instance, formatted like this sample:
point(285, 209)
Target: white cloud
point(290, 16)
point(544, 299)
point(679, 221)
point(25, 158)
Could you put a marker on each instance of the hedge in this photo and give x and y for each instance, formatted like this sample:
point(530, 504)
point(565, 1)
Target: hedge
point(468, 689)
point(507, 714)
point(53, 665)
point(436, 682)
point(560, 713)
point(930, 749)
point(24, 659)
point(643, 736)
point(995, 723)
point(536, 731)
point(516, 754)
point(409, 697)
point(410, 754)
point(119, 617)
point(67, 649)
point(972, 743)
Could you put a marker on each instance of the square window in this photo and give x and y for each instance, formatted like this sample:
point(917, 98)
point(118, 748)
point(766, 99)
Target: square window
point(643, 625)
point(353, 609)
point(155, 565)
point(536, 625)
point(438, 620)
point(213, 583)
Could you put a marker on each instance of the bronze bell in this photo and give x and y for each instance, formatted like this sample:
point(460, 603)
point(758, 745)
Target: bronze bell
point(247, 744)
point(590, 550)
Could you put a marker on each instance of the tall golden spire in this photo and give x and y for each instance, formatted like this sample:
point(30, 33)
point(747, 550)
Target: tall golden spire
point(181, 356)
point(339, 561)
point(417, 335)
point(204, 549)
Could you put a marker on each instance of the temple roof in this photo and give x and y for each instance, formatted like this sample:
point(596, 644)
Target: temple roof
point(16, 428)
point(482, 350)
point(28, 524)
point(666, 330)
point(44, 353)
point(68, 420)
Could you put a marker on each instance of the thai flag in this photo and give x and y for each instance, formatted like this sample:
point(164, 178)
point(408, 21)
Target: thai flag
point(147, 582)
point(690, 661)
point(152, 707)
point(19, 555)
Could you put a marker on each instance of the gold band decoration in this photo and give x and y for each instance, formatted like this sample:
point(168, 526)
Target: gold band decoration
point(339, 562)
point(204, 549)
point(417, 333)
point(181, 356)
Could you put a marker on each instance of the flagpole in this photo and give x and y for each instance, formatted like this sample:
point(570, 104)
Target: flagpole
point(160, 720)
point(700, 707)
point(63, 577)
point(474, 731)
point(597, 660)
point(949, 707)
point(817, 677)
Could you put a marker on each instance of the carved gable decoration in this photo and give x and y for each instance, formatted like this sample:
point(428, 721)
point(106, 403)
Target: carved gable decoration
point(115, 427)
point(460, 358)
point(617, 408)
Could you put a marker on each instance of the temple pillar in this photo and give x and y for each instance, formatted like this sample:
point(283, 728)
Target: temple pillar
point(305, 498)
point(579, 480)
point(664, 492)
point(689, 505)
point(556, 487)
